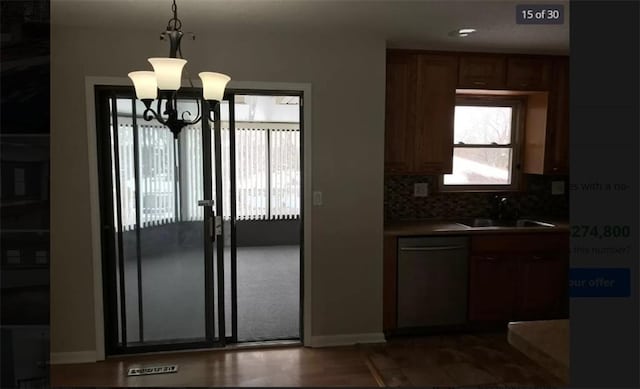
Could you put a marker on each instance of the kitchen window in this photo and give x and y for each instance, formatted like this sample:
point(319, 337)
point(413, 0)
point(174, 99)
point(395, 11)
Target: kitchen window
point(485, 145)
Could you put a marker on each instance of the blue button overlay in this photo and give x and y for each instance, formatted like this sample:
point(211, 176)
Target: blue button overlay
point(599, 282)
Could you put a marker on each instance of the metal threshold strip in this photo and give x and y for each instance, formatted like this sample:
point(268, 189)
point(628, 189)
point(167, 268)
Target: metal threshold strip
point(229, 347)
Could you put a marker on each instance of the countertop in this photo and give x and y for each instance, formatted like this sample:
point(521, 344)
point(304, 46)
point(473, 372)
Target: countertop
point(451, 227)
point(544, 341)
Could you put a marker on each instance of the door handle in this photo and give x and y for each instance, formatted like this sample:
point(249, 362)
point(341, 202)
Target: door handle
point(206, 203)
point(211, 233)
point(215, 226)
point(218, 225)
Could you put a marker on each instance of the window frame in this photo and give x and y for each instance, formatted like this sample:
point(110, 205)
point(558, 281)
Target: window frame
point(518, 106)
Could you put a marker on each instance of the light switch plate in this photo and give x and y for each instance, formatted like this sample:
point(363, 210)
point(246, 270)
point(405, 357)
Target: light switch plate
point(421, 189)
point(557, 187)
point(317, 198)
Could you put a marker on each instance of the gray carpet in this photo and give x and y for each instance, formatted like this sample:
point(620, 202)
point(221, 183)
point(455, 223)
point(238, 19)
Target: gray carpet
point(173, 294)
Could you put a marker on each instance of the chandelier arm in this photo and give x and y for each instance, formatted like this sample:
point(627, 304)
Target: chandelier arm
point(212, 112)
point(192, 122)
point(150, 114)
point(198, 113)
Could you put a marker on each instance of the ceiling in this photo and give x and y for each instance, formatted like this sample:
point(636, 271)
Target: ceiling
point(415, 24)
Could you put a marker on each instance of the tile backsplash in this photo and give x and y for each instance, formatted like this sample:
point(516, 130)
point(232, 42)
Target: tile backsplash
point(537, 200)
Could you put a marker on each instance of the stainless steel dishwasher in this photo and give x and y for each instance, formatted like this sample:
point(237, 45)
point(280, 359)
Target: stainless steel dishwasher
point(432, 281)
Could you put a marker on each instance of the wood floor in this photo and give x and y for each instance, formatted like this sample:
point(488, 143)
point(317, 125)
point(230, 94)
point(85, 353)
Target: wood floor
point(291, 366)
point(453, 360)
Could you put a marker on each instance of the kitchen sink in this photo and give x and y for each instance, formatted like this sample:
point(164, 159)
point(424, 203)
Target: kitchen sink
point(519, 223)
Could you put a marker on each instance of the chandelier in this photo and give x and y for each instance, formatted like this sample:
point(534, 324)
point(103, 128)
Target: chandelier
point(165, 79)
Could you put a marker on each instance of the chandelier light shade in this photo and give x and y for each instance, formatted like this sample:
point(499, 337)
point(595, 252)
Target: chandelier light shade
point(163, 83)
point(213, 85)
point(145, 84)
point(168, 72)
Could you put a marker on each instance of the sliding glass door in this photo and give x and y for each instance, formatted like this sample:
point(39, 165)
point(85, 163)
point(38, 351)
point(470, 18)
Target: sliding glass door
point(267, 226)
point(202, 233)
point(261, 187)
point(159, 208)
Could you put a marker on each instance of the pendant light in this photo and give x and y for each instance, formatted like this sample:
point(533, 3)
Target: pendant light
point(163, 83)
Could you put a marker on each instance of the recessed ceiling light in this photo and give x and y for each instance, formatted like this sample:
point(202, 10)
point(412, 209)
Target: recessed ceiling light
point(462, 32)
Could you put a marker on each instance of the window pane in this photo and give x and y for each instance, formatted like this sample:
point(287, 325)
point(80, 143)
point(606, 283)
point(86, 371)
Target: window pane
point(480, 166)
point(482, 125)
point(285, 173)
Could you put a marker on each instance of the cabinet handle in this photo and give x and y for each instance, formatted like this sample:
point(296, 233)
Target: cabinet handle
point(490, 258)
point(479, 83)
point(432, 248)
point(537, 257)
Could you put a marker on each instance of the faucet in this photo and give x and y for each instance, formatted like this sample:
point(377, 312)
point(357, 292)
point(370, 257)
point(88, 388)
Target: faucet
point(503, 208)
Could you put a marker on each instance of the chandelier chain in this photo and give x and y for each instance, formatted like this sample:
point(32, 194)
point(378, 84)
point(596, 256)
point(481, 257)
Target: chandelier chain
point(174, 23)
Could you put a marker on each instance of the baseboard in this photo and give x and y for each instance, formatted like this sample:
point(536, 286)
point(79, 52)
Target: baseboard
point(73, 357)
point(347, 339)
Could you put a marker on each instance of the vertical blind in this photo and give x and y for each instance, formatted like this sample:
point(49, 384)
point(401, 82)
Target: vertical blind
point(157, 176)
point(252, 167)
point(191, 175)
point(284, 173)
point(267, 173)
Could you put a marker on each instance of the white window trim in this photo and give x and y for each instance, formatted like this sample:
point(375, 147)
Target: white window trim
point(517, 136)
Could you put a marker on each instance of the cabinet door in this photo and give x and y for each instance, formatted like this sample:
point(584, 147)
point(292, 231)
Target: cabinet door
point(543, 283)
point(492, 287)
point(436, 100)
point(557, 158)
point(390, 283)
point(482, 71)
point(526, 73)
point(400, 112)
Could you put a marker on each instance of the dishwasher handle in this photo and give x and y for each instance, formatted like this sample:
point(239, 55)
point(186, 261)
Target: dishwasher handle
point(432, 248)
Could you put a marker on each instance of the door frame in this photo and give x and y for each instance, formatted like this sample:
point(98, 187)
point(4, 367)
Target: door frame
point(96, 236)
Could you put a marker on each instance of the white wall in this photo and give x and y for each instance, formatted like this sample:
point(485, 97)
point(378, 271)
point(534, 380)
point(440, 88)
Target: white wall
point(347, 77)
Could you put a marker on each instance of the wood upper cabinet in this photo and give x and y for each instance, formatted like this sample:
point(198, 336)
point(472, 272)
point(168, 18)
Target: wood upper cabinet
point(546, 143)
point(421, 97)
point(400, 112)
point(557, 156)
point(436, 101)
point(420, 104)
point(528, 73)
point(482, 71)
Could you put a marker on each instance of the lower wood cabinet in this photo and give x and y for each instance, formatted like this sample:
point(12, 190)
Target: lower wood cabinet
point(542, 286)
point(492, 281)
point(518, 277)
